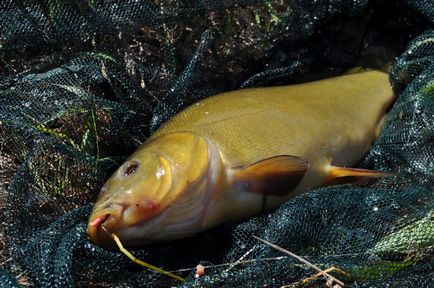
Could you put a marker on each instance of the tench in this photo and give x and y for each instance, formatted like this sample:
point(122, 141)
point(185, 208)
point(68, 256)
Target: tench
point(236, 154)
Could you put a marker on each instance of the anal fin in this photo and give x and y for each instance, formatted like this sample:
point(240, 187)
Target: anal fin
point(345, 174)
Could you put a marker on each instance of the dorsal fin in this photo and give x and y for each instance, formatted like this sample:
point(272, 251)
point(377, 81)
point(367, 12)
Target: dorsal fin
point(278, 175)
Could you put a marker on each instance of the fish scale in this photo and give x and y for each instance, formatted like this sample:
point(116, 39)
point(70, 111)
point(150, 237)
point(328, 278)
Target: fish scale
point(259, 122)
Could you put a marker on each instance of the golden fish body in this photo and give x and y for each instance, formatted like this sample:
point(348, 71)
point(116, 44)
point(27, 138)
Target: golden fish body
point(235, 154)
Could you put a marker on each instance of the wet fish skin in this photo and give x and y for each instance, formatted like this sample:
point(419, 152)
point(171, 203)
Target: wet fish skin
point(232, 155)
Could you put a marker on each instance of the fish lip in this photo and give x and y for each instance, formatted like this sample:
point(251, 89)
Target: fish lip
point(96, 232)
point(93, 233)
point(107, 219)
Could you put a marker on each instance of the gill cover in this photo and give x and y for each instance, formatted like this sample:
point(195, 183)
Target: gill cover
point(152, 178)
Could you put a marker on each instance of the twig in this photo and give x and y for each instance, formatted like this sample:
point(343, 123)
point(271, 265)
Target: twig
point(239, 261)
point(325, 274)
point(140, 262)
point(330, 269)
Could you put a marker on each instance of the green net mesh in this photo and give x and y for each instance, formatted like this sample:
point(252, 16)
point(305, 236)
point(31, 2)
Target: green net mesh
point(83, 83)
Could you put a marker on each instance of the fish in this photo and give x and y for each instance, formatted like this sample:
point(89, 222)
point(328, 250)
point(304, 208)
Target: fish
point(239, 153)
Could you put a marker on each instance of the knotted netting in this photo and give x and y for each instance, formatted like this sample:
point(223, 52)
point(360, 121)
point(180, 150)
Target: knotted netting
point(83, 83)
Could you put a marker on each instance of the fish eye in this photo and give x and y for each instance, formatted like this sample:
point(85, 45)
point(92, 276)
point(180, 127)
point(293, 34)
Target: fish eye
point(131, 168)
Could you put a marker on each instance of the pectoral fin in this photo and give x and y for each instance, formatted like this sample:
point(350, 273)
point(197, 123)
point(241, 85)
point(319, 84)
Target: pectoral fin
point(344, 174)
point(278, 175)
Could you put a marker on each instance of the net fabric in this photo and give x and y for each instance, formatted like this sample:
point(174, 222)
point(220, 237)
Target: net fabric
point(83, 83)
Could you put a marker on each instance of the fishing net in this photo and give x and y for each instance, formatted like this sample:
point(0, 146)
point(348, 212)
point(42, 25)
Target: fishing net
point(83, 83)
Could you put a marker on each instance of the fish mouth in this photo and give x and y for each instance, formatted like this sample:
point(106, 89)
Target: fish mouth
point(102, 224)
point(113, 219)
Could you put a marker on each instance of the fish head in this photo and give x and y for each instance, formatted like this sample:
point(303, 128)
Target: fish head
point(160, 193)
